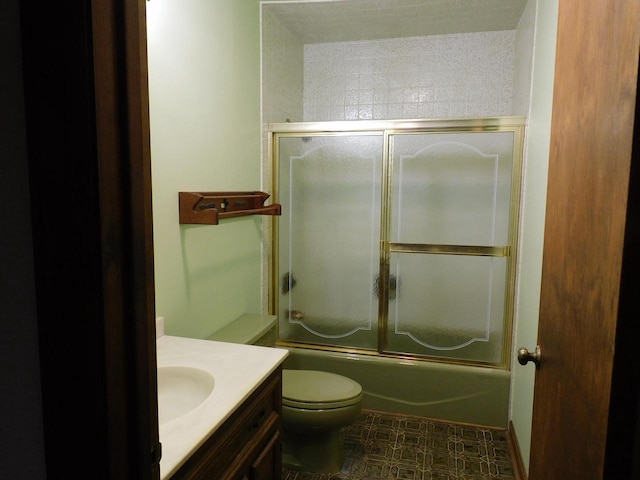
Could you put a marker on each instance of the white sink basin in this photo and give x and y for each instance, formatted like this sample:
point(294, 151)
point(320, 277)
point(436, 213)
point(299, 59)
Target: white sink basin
point(180, 390)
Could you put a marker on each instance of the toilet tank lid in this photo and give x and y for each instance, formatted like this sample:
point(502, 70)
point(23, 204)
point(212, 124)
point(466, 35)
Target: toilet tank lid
point(315, 386)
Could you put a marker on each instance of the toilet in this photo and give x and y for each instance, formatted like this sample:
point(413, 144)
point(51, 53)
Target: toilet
point(316, 405)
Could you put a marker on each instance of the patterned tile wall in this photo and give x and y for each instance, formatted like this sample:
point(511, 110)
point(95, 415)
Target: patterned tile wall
point(456, 75)
point(282, 72)
point(282, 87)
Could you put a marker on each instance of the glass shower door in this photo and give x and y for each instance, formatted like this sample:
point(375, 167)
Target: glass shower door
point(329, 238)
point(451, 234)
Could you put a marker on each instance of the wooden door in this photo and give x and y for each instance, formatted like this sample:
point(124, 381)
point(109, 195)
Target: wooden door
point(591, 138)
point(90, 180)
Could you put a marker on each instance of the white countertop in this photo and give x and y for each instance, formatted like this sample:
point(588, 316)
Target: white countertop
point(237, 370)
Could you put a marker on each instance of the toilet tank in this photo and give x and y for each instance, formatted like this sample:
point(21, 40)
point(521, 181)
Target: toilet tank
point(250, 329)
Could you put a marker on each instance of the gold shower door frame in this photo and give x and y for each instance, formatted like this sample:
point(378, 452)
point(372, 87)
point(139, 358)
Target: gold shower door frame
point(388, 129)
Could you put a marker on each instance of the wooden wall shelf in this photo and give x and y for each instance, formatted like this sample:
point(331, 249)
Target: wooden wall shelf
point(207, 208)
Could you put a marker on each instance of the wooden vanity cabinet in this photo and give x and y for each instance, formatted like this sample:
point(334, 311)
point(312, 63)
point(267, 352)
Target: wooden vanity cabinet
point(247, 444)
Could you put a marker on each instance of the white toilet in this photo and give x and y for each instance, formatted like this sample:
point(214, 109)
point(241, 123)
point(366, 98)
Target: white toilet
point(315, 405)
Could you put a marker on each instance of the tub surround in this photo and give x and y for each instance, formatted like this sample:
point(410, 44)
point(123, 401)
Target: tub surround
point(248, 328)
point(455, 393)
point(238, 371)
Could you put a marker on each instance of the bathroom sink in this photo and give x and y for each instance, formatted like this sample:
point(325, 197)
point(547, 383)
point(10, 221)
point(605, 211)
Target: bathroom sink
point(180, 390)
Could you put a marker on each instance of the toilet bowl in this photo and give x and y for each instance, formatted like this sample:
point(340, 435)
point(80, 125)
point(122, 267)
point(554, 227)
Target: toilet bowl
point(315, 407)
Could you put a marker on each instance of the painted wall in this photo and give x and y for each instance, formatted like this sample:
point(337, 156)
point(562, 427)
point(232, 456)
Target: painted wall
point(204, 87)
point(533, 208)
point(523, 59)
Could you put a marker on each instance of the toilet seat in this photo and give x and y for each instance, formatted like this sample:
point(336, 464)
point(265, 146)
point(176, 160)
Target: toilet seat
point(316, 390)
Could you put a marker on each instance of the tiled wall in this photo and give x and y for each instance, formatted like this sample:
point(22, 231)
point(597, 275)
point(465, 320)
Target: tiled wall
point(282, 87)
point(458, 75)
point(282, 71)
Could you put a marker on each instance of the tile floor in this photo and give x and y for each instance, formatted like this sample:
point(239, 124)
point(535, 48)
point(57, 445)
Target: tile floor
point(394, 447)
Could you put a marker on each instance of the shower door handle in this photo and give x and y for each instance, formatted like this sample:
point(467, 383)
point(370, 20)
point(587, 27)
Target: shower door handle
point(394, 285)
point(525, 356)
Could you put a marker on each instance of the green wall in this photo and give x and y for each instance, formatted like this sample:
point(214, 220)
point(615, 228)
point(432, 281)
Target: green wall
point(204, 87)
point(533, 217)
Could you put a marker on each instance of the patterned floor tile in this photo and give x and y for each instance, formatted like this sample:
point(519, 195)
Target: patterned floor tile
point(382, 446)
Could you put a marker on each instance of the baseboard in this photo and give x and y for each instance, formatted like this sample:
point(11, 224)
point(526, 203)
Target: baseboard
point(516, 455)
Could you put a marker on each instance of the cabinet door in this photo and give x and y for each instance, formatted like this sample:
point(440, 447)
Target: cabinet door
point(267, 464)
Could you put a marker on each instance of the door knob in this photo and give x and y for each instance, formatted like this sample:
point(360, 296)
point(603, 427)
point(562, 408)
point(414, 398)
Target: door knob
point(525, 356)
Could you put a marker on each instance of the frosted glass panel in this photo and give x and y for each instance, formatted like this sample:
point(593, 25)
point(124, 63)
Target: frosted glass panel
point(451, 188)
point(448, 306)
point(329, 239)
point(444, 194)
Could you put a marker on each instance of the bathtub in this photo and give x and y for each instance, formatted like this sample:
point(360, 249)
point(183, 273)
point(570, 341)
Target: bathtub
point(457, 393)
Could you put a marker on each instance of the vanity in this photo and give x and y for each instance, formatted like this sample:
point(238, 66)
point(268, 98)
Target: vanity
point(219, 410)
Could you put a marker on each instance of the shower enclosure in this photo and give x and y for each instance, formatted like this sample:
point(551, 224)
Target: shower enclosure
point(397, 238)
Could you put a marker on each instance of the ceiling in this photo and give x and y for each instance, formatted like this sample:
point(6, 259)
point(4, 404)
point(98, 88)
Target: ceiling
point(324, 21)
